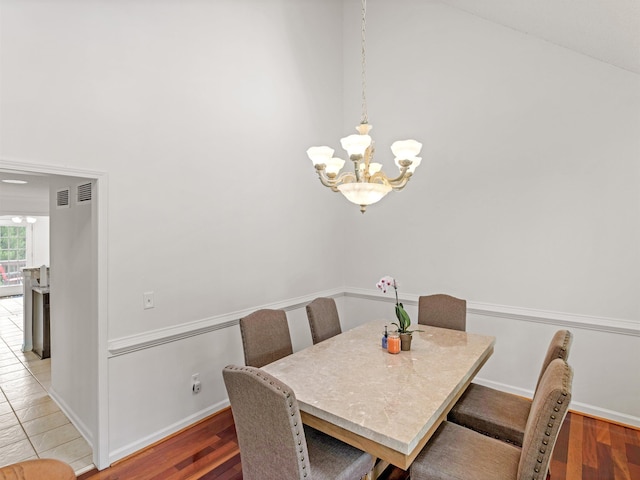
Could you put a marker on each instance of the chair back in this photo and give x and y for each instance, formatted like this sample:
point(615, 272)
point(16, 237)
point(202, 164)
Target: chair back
point(548, 410)
point(265, 337)
point(441, 310)
point(268, 424)
point(558, 348)
point(38, 469)
point(324, 321)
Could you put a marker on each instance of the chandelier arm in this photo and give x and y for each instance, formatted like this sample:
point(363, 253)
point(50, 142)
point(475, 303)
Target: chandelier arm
point(403, 178)
point(379, 177)
point(346, 177)
point(332, 183)
point(400, 184)
point(397, 183)
point(324, 178)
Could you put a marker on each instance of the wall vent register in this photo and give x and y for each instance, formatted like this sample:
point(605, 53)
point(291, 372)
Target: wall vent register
point(83, 194)
point(62, 198)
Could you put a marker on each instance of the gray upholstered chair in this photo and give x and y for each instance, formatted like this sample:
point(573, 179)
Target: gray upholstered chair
point(265, 337)
point(323, 319)
point(38, 469)
point(274, 443)
point(460, 453)
point(442, 310)
point(500, 414)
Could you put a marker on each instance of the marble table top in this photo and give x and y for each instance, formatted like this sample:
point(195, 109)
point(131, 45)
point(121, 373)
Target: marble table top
point(389, 405)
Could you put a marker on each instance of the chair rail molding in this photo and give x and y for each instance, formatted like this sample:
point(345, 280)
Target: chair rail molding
point(610, 325)
point(132, 343)
point(149, 339)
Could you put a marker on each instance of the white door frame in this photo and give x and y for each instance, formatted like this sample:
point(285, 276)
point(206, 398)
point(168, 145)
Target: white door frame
point(101, 437)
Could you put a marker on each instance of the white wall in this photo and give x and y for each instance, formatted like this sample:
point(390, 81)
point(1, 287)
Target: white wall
point(199, 113)
point(527, 197)
point(74, 329)
point(527, 194)
point(165, 383)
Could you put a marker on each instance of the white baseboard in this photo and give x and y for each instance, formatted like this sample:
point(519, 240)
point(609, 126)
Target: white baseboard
point(578, 407)
point(503, 387)
point(162, 434)
point(73, 418)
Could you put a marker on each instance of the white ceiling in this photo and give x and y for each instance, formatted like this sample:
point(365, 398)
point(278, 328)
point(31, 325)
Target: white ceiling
point(607, 30)
point(31, 198)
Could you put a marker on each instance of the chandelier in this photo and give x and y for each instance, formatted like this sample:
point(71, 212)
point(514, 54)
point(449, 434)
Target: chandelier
point(367, 184)
point(19, 219)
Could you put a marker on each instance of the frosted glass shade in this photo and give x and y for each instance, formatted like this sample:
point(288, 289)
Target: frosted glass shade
point(364, 193)
point(374, 167)
point(406, 149)
point(412, 168)
point(355, 144)
point(334, 165)
point(320, 154)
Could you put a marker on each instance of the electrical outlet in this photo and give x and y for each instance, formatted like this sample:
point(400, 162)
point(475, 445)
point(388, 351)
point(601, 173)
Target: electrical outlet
point(147, 300)
point(195, 383)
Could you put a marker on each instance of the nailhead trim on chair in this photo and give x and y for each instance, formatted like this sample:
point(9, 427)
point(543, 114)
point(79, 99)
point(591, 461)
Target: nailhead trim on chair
point(545, 442)
point(565, 343)
point(291, 410)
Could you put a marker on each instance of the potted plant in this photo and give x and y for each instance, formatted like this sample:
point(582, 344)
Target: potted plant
point(404, 321)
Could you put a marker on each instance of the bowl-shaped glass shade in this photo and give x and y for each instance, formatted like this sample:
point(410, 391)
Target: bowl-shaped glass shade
point(355, 144)
point(334, 165)
point(406, 149)
point(364, 193)
point(320, 154)
point(412, 168)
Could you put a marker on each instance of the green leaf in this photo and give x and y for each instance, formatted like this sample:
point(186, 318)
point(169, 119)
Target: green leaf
point(403, 318)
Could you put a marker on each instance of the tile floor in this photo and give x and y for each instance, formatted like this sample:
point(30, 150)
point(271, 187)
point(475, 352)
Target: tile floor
point(31, 424)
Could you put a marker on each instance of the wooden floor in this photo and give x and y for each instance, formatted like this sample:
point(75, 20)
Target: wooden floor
point(586, 449)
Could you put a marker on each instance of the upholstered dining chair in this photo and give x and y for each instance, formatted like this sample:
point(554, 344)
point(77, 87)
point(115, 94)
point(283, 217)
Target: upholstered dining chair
point(265, 337)
point(461, 453)
point(38, 469)
point(441, 310)
point(500, 414)
point(274, 443)
point(324, 321)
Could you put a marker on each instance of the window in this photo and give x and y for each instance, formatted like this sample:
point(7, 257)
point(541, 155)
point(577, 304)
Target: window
point(13, 254)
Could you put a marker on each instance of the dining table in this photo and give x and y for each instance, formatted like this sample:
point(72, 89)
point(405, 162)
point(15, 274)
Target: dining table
point(388, 405)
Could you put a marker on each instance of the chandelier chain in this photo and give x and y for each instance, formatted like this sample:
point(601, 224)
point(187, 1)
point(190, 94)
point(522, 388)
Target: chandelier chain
point(365, 116)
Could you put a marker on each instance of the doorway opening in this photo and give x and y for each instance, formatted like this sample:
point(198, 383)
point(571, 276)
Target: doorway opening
point(78, 298)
